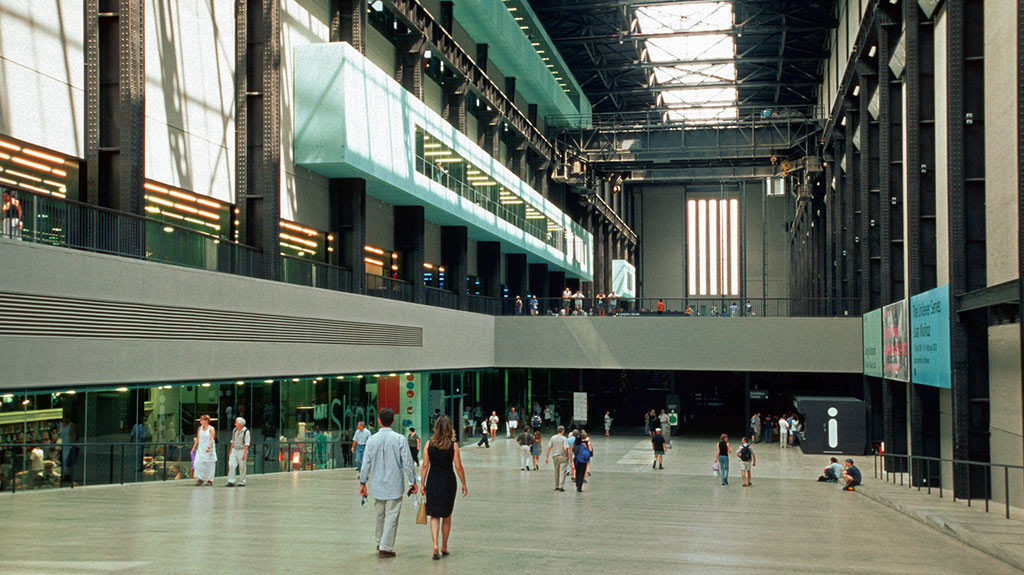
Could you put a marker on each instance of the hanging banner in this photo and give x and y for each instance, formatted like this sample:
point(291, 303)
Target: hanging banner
point(896, 342)
point(872, 331)
point(579, 407)
point(413, 404)
point(929, 338)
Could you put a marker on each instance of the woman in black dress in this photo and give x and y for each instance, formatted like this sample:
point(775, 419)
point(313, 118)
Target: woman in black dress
point(441, 461)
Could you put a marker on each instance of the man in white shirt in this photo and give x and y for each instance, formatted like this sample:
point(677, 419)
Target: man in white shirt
point(389, 470)
point(783, 432)
point(359, 439)
point(560, 446)
point(238, 452)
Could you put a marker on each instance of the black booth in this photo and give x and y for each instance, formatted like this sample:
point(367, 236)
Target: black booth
point(833, 425)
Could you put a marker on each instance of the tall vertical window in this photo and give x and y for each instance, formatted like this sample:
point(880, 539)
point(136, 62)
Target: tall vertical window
point(713, 246)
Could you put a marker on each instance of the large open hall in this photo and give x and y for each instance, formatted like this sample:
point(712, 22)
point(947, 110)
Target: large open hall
point(432, 286)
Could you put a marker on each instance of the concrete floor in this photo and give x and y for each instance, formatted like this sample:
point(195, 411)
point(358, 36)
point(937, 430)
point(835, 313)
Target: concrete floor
point(630, 519)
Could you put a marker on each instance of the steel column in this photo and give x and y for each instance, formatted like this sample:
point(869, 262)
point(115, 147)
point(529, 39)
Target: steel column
point(348, 23)
point(409, 241)
point(347, 198)
point(488, 268)
point(115, 112)
point(258, 129)
point(455, 255)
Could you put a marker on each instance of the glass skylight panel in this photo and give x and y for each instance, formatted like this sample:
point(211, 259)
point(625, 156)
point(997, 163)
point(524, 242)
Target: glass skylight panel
point(715, 103)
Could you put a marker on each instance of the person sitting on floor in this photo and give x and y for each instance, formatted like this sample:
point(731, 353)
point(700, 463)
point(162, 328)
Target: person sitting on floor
point(851, 475)
point(832, 472)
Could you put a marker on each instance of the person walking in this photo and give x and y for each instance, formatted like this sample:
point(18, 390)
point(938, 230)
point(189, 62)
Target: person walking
point(755, 427)
point(607, 424)
point(560, 446)
point(414, 445)
point(769, 429)
point(580, 459)
point(492, 423)
point(205, 450)
point(238, 452)
point(747, 461)
point(665, 423)
point(652, 422)
point(441, 462)
point(359, 439)
point(723, 458)
point(524, 439)
point(535, 448)
point(511, 423)
point(658, 442)
point(484, 435)
point(387, 467)
point(783, 432)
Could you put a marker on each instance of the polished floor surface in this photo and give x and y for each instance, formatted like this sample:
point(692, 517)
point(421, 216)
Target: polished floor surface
point(629, 519)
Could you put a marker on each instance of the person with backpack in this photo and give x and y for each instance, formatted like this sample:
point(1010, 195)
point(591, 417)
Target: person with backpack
point(747, 461)
point(580, 458)
point(658, 442)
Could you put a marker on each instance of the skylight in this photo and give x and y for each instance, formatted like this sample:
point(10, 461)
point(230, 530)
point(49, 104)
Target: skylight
point(712, 103)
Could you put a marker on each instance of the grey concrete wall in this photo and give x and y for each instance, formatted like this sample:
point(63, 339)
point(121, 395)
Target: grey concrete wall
point(451, 339)
point(661, 220)
point(1006, 421)
point(661, 241)
point(733, 344)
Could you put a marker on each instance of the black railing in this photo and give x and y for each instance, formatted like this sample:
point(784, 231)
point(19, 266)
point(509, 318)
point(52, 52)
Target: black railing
point(66, 223)
point(925, 473)
point(685, 307)
point(102, 463)
point(440, 298)
point(390, 288)
point(60, 222)
point(485, 305)
point(305, 272)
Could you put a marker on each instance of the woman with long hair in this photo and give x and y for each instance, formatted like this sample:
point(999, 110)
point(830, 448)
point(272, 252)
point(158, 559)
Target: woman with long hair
point(723, 458)
point(535, 448)
point(205, 450)
point(441, 462)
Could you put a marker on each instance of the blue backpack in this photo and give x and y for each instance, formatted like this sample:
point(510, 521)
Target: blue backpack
point(583, 455)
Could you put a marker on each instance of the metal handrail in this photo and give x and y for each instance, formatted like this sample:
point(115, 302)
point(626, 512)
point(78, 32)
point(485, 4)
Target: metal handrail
point(914, 477)
point(68, 223)
point(301, 271)
point(718, 306)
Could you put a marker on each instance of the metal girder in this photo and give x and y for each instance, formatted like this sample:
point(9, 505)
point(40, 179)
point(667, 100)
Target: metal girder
point(1000, 294)
point(734, 31)
point(705, 86)
point(599, 206)
point(634, 64)
point(414, 16)
point(756, 171)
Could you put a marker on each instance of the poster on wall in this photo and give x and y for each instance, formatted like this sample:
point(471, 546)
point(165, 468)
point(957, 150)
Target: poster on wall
point(412, 404)
point(872, 332)
point(929, 338)
point(895, 342)
point(579, 407)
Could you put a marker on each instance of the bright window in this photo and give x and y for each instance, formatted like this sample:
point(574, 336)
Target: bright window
point(713, 246)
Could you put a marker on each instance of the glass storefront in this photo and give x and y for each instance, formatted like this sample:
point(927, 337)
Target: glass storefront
point(102, 435)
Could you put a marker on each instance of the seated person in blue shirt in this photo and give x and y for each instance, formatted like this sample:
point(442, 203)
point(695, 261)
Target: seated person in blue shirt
point(832, 472)
point(851, 475)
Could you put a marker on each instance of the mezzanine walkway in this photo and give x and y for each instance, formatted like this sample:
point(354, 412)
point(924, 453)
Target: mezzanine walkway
point(630, 519)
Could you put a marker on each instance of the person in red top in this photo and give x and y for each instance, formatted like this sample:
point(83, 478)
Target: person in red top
point(661, 307)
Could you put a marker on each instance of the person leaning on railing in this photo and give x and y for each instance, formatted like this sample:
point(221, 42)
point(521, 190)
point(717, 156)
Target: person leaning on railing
point(11, 215)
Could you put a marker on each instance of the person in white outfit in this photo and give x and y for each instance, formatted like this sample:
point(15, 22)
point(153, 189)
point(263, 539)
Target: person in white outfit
point(238, 452)
point(205, 451)
point(783, 432)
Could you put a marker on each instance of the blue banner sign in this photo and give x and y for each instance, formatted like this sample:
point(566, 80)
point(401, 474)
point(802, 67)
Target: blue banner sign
point(929, 338)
